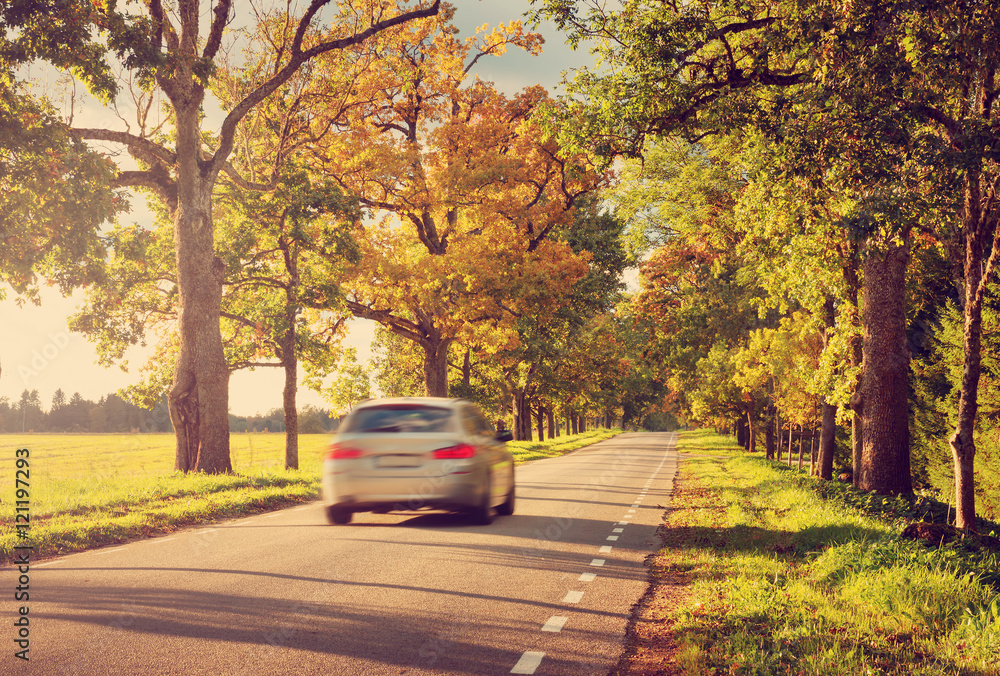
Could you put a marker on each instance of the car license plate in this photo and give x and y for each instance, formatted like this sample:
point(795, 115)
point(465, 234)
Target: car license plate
point(397, 461)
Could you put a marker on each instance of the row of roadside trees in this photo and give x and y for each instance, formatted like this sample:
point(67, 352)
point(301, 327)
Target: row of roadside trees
point(832, 144)
point(801, 162)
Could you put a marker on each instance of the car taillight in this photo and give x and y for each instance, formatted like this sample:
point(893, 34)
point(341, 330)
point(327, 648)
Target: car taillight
point(454, 452)
point(338, 452)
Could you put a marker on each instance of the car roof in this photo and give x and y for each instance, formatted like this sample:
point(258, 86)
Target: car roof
point(413, 401)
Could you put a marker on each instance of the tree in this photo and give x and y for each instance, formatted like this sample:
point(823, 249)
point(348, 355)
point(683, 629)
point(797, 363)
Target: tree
point(466, 189)
point(351, 384)
point(165, 48)
point(29, 409)
point(286, 247)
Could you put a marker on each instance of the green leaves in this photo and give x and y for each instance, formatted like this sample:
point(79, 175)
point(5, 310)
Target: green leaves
point(55, 196)
point(78, 36)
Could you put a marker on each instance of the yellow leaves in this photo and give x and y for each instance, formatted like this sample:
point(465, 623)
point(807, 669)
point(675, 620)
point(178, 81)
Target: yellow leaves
point(468, 187)
point(512, 33)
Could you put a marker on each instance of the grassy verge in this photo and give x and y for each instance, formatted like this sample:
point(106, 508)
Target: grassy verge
point(783, 574)
point(92, 490)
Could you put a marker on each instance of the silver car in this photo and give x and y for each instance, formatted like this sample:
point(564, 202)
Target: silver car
point(418, 453)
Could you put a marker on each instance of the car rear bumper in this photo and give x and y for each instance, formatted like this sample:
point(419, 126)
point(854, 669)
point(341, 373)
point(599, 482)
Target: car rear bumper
point(453, 492)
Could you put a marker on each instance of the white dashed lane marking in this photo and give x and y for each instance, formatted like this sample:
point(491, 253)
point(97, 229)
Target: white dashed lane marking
point(555, 623)
point(528, 663)
point(530, 660)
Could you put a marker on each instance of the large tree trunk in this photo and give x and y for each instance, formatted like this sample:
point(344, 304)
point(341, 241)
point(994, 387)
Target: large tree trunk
point(291, 416)
point(962, 441)
point(979, 235)
point(199, 395)
point(885, 455)
point(540, 422)
point(286, 353)
point(550, 419)
point(290, 407)
point(435, 365)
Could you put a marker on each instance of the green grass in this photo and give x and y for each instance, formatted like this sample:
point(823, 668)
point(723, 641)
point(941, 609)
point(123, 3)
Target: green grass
point(705, 442)
point(789, 577)
point(89, 490)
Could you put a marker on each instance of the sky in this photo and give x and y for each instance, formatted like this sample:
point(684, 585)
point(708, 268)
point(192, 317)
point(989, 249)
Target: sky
point(38, 352)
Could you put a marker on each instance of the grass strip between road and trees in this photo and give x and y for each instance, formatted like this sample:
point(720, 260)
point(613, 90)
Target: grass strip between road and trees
point(766, 570)
point(94, 490)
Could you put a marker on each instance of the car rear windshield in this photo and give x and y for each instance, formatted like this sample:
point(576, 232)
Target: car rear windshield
point(399, 418)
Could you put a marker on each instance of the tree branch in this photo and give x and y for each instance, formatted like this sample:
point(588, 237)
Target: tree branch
point(156, 179)
point(139, 147)
point(397, 325)
point(952, 128)
point(219, 22)
point(298, 57)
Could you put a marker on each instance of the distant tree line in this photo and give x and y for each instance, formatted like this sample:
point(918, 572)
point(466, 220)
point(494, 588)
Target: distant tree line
point(112, 414)
point(311, 420)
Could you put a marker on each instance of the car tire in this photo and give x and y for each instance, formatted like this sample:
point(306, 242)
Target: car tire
point(507, 507)
point(338, 515)
point(482, 515)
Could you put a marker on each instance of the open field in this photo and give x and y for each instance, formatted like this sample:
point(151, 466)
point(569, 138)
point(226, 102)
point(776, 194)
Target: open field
point(768, 571)
point(88, 490)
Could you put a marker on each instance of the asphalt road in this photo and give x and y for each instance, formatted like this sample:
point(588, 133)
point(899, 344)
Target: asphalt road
point(548, 590)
